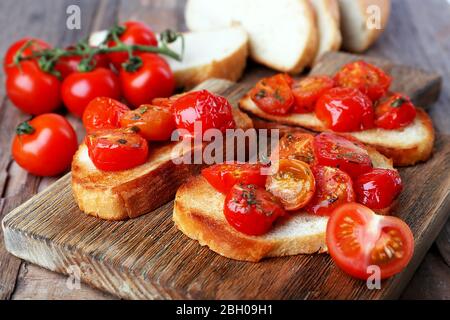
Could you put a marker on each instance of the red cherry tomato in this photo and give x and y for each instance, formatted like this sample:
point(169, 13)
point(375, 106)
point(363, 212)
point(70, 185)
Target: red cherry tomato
point(69, 64)
point(357, 238)
point(296, 145)
point(167, 102)
point(36, 45)
point(345, 153)
point(224, 176)
point(79, 88)
point(367, 78)
point(45, 145)
point(115, 150)
point(274, 95)
point(395, 112)
point(152, 79)
point(32, 90)
point(345, 110)
point(103, 113)
point(251, 209)
point(308, 90)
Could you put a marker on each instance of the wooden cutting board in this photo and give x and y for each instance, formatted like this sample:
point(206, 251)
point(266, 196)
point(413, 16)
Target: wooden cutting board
point(148, 258)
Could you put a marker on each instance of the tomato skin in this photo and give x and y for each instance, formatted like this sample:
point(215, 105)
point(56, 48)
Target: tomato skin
point(308, 90)
point(103, 113)
point(32, 90)
point(395, 112)
point(48, 151)
point(295, 145)
point(251, 209)
point(38, 44)
point(152, 80)
point(345, 110)
point(274, 95)
point(69, 64)
point(79, 88)
point(377, 189)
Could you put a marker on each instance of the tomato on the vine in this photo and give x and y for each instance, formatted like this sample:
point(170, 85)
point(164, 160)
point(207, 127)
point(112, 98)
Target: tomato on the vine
point(67, 65)
point(35, 45)
point(397, 111)
point(103, 113)
point(274, 95)
point(308, 90)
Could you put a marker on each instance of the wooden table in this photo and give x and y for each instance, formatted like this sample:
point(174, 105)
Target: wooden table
point(418, 34)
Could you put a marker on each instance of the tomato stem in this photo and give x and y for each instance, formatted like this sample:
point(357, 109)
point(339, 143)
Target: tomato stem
point(24, 128)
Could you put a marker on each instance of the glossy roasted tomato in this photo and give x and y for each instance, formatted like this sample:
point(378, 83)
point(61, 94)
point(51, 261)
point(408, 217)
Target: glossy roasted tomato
point(79, 88)
point(343, 152)
point(274, 95)
point(152, 79)
point(35, 45)
point(345, 110)
point(69, 64)
point(308, 90)
point(45, 145)
point(367, 78)
point(151, 122)
point(251, 209)
point(397, 111)
point(103, 113)
point(377, 189)
point(167, 102)
point(224, 176)
point(295, 145)
point(357, 239)
point(333, 188)
point(203, 107)
point(114, 150)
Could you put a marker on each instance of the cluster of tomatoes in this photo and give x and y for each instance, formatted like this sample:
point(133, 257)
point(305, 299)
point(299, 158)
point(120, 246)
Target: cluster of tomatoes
point(355, 99)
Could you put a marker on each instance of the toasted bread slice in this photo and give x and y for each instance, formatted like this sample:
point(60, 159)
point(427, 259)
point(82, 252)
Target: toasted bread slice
point(405, 146)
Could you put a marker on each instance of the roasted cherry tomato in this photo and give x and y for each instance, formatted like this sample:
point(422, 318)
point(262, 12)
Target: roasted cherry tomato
point(377, 189)
point(357, 239)
point(274, 95)
point(251, 209)
point(395, 112)
point(293, 183)
point(224, 176)
point(345, 153)
point(333, 188)
point(152, 79)
point(32, 90)
point(69, 64)
point(45, 145)
point(308, 90)
point(151, 122)
point(296, 145)
point(367, 78)
point(167, 102)
point(35, 45)
point(345, 110)
point(115, 150)
point(79, 88)
point(103, 113)
point(203, 107)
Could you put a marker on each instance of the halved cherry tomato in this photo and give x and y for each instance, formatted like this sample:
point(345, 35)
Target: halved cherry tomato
point(308, 90)
point(357, 238)
point(345, 153)
point(103, 113)
point(35, 45)
point(67, 65)
point(224, 176)
point(395, 112)
point(293, 184)
point(151, 122)
point(295, 145)
point(345, 110)
point(251, 209)
point(333, 188)
point(378, 188)
point(367, 78)
point(114, 150)
point(274, 95)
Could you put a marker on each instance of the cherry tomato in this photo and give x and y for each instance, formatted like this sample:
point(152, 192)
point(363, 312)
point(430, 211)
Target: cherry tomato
point(333, 188)
point(32, 90)
point(210, 110)
point(224, 176)
point(103, 113)
point(308, 90)
point(357, 238)
point(395, 112)
point(293, 184)
point(36, 45)
point(167, 102)
point(296, 145)
point(377, 189)
point(367, 78)
point(151, 122)
point(343, 152)
point(345, 110)
point(274, 95)
point(152, 79)
point(251, 209)
point(69, 64)
point(79, 88)
point(45, 145)
point(115, 150)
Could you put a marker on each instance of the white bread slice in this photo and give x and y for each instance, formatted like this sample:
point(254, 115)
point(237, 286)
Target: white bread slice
point(283, 34)
point(358, 35)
